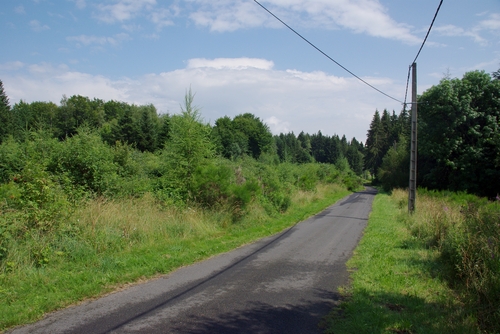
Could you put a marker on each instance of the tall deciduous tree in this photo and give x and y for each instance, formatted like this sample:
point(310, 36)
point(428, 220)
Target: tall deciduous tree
point(459, 135)
point(258, 135)
point(77, 111)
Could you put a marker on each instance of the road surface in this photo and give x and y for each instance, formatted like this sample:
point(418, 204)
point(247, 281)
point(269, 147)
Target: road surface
point(281, 284)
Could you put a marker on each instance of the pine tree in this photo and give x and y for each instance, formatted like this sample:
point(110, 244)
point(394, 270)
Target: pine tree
point(4, 113)
point(374, 144)
point(496, 75)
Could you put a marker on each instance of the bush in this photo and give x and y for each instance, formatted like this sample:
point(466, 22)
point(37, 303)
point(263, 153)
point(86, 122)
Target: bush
point(211, 185)
point(87, 162)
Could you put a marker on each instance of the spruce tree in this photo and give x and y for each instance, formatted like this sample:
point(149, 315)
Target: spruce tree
point(4, 114)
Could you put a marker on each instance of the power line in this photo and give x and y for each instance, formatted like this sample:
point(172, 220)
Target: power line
point(428, 31)
point(324, 54)
point(407, 84)
point(418, 53)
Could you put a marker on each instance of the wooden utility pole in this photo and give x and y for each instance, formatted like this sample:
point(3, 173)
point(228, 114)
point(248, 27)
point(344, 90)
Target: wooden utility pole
point(413, 151)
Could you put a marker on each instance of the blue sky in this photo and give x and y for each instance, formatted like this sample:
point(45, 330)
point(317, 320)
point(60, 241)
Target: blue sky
point(238, 59)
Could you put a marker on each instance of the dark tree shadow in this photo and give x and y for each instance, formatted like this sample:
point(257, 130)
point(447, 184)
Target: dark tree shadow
point(264, 318)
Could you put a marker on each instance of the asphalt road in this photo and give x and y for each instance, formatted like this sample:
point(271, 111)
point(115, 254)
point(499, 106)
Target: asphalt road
point(282, 284)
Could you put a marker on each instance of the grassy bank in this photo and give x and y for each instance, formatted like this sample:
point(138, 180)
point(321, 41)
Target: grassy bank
point(399, 278)
point(108, 243)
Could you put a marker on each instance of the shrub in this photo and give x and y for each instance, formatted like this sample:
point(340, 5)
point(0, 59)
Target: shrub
point(31, 203)
point(211, 184)
point(87, 162)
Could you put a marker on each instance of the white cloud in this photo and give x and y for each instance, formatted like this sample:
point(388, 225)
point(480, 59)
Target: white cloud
point(454, 31)
point(80, 4)
point(286, 100)
point(489, 25)
point(231, 63)
point(20, 10)
point(99, 40)
point(37, 26)
point(278, 126)
point(229, 15)
point(362, 16)
point(161, 18)
point(11, 66)
point(123, 10)
point(492, 23)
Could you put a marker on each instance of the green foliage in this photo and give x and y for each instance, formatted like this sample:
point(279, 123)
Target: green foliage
point(188, 149)
point(35, 116)
point(77, 111)
point(229, 143)
point(463, 229)
point(5, 115)
point(496, 74)
point(211, 185)
point(258, 137)
point(459, 132)
point(218, 184)
point(396, 283)
point(393, 173)
point(85, 161)
point(385, 132)
point(245, 134)
point(473, 253)
point(292, 149)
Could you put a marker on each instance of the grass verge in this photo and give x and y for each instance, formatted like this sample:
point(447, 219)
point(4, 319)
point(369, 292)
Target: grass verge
point(110, 243)
point(397, 283)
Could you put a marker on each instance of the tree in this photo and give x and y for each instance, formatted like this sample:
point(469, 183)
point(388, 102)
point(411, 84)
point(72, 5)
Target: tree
point(127, 130)
point(258, 136)
point(496, 74)
point(459, 135)
point(148, 129)
point(164, 130)
point(375, 143)
point(188, 148)
point(229, 142)
point(77, 111)
point(33, 116)
point(355, 157)
point(393, 172)
point(4, 114)
point(304, 155)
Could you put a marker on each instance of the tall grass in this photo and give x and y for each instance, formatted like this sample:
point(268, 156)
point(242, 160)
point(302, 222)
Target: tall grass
point(104, 243)
point(466, 231)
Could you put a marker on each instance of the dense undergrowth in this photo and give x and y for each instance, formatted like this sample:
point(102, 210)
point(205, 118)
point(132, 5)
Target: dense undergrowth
point(465, 230)
point(79, 217)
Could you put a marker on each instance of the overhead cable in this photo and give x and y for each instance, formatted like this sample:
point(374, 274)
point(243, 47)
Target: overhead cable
point(418, 53)
point(428, 31)
point(324, 54)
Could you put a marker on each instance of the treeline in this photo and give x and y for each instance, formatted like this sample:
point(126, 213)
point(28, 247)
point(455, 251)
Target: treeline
point(142, 128)
point(458, 138)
